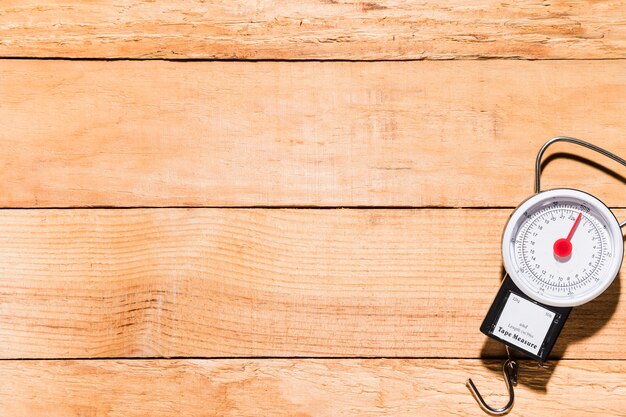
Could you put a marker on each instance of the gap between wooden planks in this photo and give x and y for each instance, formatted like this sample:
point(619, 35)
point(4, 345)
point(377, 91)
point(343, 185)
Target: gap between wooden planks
point(312, 29)
point(303, 133)
point(274, 387)
point(255, 282)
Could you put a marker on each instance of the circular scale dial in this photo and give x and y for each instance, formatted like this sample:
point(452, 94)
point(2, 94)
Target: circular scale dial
point(562, 247)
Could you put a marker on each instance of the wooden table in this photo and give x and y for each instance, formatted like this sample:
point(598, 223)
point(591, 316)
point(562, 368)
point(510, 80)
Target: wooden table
point(292, 208)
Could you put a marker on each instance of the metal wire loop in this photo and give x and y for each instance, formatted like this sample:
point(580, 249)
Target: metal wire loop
point(575, 142)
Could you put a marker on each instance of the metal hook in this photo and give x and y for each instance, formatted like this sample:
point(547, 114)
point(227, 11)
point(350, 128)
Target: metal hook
point(510, 371)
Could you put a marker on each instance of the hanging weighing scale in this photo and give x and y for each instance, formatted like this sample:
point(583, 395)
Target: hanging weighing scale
point(561, 248)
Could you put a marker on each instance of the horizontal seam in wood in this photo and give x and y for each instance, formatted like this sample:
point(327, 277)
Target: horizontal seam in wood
point(219, 358)
point(261, 207)
point(282, 207)
point(243, 60)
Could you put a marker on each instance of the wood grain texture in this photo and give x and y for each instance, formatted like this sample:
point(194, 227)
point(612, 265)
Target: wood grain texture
point(304, 134)
point(252, 282)
point(339, 388)
point(313, 29)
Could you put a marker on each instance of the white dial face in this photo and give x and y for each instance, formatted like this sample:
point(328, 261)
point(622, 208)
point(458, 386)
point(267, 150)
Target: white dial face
point(562, 247)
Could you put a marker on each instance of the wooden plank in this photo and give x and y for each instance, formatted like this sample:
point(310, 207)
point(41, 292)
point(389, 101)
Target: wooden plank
point(313, 29)
point(304, 134)
point(237, 282)
point(281, 387)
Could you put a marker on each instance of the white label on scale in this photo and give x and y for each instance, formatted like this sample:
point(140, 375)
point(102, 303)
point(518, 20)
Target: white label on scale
point(523, 324)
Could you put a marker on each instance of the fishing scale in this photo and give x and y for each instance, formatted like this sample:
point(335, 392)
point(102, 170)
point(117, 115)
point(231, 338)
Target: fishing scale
point(561, 248)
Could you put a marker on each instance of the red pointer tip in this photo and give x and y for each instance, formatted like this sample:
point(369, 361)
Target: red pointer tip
point(563, 247)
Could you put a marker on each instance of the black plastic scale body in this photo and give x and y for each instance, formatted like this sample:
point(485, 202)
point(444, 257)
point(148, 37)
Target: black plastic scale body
point(522, 323)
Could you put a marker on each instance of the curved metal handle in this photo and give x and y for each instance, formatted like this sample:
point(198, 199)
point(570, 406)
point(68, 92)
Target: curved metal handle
point(509, 370)
point(575, 142)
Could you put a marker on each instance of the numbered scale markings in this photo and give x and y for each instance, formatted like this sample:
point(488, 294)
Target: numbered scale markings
point(558, 270)
point(562, 247)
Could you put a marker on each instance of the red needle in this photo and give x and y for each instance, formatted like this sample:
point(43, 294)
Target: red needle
point(563, 247)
